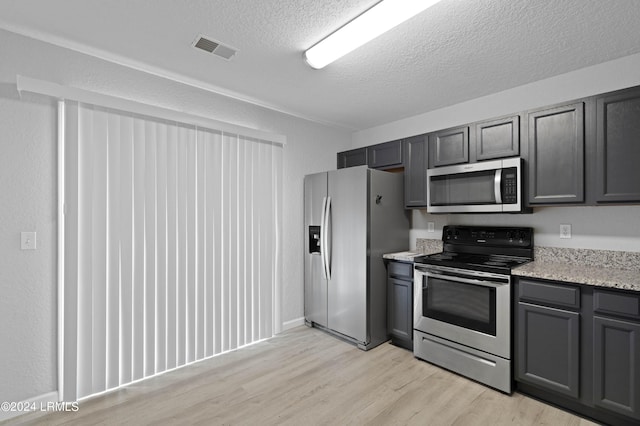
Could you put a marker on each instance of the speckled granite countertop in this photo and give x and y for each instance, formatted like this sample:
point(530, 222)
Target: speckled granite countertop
point(402, 256)
point(423, 246)
point(602, 268)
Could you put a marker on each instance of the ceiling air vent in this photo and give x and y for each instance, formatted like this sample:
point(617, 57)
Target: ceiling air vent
point(211, 46)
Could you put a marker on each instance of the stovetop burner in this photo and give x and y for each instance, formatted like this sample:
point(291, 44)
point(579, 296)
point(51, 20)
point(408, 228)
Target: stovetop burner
point(489, 249)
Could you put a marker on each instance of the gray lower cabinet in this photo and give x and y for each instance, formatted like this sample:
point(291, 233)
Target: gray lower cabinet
point(616, 351)
point(449, 146)
point(579, 347)
point(616, 365)
point(352, 158)
point(618, 147)
point(400, 303)
point(548, 342)
point(415, 172)
point(556, 155)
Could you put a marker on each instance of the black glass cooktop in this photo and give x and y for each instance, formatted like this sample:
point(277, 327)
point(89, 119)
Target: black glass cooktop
point(482, 248)
point(482, 262)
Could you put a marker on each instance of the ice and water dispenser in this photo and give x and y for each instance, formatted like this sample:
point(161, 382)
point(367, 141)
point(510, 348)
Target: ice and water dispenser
point(314, 239)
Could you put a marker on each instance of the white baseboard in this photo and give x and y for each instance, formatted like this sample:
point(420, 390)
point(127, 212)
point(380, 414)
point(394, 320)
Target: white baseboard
point(288, 325)
point(27, 406)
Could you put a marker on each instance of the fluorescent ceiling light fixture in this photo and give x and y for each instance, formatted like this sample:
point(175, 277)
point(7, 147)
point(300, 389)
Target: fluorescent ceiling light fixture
point(375, 21)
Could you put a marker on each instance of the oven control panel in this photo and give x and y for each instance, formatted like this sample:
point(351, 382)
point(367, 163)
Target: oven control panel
point(490, 236)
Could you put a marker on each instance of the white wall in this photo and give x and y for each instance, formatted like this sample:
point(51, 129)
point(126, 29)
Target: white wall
point(27, 278)
point(28, 191)
point(603, 227)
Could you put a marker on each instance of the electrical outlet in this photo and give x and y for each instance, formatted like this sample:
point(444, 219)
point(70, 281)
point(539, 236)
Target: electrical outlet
point(565, 230)
point(28, 240)
point(431, 227)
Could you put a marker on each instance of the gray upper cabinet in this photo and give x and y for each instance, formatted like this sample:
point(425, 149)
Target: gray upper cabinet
point(449, 146)
point(415, 172)
point(585, 152)
point(618, 147)
point(556, 155)
point(497, 138)
point(385, 155)
point(352, 158)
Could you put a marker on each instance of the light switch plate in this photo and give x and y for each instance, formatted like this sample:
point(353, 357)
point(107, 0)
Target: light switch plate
point(28, 240)
point(565, 230)
point(431, 227)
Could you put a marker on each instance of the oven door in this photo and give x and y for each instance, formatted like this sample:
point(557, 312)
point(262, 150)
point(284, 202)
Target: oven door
point(468, 307)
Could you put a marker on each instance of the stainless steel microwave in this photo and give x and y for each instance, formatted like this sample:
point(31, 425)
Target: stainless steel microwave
point(485, 187)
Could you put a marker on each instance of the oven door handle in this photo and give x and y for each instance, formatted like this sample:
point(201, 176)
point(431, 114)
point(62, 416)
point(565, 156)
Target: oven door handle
point(483, 283)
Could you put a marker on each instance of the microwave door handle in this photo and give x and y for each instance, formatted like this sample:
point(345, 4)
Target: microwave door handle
point(497, 186)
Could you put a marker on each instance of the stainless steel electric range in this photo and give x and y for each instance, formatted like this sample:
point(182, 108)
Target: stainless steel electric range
point(462, 305)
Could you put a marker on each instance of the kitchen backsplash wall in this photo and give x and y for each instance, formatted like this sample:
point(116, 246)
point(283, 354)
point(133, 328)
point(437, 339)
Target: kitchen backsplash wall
point(425, 245)
point(600, 228)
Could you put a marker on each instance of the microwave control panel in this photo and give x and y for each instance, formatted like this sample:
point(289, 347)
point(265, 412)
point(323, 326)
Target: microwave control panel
point(509, 185)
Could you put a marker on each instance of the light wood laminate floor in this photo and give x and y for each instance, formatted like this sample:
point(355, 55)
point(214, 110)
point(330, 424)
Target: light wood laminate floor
point(307, 377)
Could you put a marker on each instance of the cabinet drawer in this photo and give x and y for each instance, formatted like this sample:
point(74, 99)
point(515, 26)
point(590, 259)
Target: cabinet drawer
point(549, 293)
point(610, 302)
point(401, 269)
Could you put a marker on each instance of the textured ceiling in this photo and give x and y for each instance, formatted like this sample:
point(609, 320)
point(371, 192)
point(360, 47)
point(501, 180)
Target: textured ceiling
point(455, 51)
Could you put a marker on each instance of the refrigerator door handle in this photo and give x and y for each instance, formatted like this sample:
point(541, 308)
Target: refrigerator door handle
point(323, 244)
point(326, 239)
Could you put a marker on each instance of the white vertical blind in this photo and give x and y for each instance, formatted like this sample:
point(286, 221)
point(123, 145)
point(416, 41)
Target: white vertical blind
point(171, 245)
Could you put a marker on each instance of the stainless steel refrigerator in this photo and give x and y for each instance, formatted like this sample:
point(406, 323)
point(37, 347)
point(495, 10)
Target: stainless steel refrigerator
point(352, 217)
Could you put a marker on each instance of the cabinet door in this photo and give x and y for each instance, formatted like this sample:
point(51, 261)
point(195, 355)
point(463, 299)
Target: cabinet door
point(616, 369)
point(498, 138)
point(385, 155)
point(352, 158)
point(449, 147)
point(556, 155)
point(547, 353)
point(618, 148)
point(400, 313)
point(415, 172)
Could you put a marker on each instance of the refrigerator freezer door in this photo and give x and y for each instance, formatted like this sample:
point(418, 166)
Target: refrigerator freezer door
point(315, 285)
point(347, 288)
